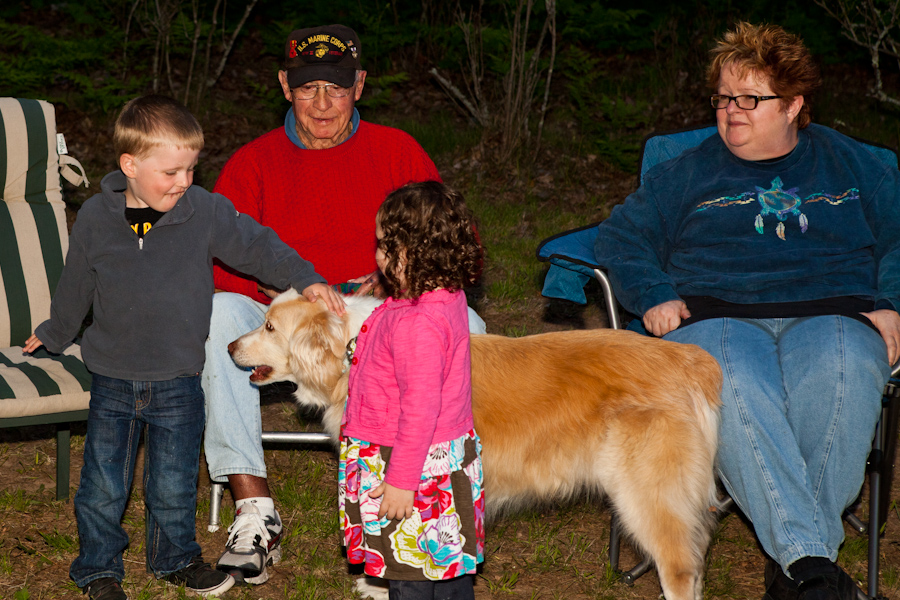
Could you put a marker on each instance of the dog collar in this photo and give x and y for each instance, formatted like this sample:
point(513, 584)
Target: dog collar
point(348, 356)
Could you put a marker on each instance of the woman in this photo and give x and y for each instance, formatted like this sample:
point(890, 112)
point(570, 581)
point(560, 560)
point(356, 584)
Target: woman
point(775, 247)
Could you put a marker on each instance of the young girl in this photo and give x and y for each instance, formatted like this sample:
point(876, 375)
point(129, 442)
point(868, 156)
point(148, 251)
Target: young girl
point(410, 477)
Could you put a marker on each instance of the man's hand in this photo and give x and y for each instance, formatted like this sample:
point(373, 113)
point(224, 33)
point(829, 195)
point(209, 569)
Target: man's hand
point(331, 298)
point(32, 344)
point(887, 322)
point(665, 317)
point(396, 504)
point(369, 283)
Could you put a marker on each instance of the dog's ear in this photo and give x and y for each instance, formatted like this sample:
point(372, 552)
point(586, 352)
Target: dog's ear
point(331, 333)
point(317, 346)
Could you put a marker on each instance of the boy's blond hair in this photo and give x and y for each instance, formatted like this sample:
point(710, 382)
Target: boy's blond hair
point(153, 121)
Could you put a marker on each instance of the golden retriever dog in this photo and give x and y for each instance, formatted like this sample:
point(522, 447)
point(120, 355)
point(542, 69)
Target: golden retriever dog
point(559, 414)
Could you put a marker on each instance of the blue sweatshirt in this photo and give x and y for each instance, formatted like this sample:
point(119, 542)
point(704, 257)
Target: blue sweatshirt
point(152, 300)
point(822, 222)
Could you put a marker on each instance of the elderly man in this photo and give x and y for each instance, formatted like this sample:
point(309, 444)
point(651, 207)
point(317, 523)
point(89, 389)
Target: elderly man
point(318, 182)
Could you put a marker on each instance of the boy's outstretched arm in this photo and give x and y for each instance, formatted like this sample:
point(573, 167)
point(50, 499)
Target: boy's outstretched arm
point(331, 298)
point(32, 344)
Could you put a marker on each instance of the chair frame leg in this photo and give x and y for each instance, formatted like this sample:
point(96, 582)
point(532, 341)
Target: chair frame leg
point(217, 490)
point(876, 460)
point(881, 465)
point(615, 537)
point(63, 439)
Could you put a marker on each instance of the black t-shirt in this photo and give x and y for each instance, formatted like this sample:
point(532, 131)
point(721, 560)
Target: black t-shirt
point(707, 307)
point(142, 219)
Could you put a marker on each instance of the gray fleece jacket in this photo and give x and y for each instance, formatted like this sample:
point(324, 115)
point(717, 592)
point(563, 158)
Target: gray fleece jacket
point(152, 300)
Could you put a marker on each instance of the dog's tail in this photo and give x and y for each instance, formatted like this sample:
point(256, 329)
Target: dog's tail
point(706, 402)
point(669, 501)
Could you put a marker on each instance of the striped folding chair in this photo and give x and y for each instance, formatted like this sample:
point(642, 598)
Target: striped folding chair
point(42, 388)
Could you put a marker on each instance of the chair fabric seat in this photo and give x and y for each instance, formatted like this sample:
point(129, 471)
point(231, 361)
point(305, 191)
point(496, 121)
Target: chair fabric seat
point(42, 383)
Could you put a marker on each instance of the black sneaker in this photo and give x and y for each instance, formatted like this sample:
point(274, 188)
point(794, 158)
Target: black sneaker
point(105, 588)
point(199, 577)
point(834, 584)
point(778, 585)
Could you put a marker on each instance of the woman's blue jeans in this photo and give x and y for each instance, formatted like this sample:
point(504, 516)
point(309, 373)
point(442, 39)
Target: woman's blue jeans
point(800, 401)
point(173, 414)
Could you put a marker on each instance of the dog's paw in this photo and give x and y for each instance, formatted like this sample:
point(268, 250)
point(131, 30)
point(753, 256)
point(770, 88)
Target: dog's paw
point(372, 587)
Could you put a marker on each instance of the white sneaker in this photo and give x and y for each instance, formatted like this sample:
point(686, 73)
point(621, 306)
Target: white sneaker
point(253, 544)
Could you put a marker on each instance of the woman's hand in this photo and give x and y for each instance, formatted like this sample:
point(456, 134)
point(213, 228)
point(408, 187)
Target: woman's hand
point(333, 300)
point(369, 283)
point(396, 504)
point(887, 322)
point(665, 317)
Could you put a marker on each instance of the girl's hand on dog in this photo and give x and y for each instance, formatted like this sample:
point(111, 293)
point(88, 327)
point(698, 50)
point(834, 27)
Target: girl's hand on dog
point(331, 298)
point(396, 504)
point(665, 317)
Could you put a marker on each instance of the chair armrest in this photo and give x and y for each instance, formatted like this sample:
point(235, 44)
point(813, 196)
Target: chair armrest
point(572, 265)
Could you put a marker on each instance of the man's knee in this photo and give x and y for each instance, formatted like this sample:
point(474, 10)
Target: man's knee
point(234, 315)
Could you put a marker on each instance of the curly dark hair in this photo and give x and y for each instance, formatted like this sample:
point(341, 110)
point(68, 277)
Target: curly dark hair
point(430, 226)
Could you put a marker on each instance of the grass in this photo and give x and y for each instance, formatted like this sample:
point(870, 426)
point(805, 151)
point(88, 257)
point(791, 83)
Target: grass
point(61, 542)
point(719, 581)
point(890, 576)
point(6, 566)
point(505, 584)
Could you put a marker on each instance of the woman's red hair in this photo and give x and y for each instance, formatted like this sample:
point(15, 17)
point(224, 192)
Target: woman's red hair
point(771, 53)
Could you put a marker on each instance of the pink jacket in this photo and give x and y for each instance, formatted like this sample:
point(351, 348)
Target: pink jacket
point(410, 380)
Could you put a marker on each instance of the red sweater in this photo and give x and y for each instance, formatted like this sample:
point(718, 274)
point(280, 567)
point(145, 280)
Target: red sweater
point(321, 202)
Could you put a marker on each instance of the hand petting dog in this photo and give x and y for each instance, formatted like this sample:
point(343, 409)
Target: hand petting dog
point(333, 300)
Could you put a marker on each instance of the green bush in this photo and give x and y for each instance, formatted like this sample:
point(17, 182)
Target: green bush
point(63, 68)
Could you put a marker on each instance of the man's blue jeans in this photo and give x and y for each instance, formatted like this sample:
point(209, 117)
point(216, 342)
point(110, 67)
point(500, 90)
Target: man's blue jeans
point(801, 398)
point(173, 414)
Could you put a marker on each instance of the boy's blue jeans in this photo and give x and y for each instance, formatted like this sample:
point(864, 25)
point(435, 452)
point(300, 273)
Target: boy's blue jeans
point(800, 401)
point(173, 413)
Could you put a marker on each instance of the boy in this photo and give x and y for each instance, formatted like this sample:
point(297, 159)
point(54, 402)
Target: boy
point(141, 254)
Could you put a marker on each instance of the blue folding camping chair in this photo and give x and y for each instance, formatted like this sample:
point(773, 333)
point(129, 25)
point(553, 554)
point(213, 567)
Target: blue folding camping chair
point(573, 265)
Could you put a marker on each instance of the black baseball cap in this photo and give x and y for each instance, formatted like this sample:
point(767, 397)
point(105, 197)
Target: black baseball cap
point(328, 53)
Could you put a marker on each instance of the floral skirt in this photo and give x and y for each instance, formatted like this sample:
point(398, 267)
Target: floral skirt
point(444, 537)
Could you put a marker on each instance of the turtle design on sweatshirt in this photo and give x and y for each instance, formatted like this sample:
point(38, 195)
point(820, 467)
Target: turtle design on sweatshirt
point(780, 202)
